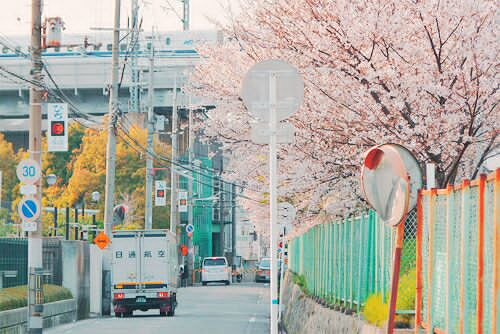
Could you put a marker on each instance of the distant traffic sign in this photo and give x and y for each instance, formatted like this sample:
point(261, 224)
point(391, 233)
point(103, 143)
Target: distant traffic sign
point(102, 240)
point(189, 228)
point(28, 209)
point(28, 171)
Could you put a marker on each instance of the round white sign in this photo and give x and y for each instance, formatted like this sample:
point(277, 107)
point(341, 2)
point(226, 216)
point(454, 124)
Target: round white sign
point(29, 171)
point(189, 228)
point(256, 89)
point(28, 209)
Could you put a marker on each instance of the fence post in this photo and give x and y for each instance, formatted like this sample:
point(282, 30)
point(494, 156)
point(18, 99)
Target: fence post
point(465, 201)
point(480, 254)
point(360, 259)
point(418, 292)
point(432, 196)
point(67, 223)
point(450, 209)
point(496, 250)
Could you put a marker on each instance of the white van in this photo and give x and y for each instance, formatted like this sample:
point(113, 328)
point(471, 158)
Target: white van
point(215, 269)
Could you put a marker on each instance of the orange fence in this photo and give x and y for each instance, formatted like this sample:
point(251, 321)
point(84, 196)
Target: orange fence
point(458, 238)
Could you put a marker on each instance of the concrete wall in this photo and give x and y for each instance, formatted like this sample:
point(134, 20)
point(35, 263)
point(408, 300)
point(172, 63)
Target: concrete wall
point(56, 313)
point(303, 315)
point(76, 274)
point(95, 280)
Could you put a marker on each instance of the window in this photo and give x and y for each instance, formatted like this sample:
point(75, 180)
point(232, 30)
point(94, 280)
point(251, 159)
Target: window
point(167, 41)
point(5, 49)
point(109, 47)
point(214, 262)
point(265, 264)
point(123, 47)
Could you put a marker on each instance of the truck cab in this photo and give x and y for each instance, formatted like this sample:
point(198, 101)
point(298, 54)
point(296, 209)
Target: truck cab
point(144, 272)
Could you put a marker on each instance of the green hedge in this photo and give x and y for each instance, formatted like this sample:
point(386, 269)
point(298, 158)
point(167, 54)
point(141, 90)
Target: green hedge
point(15, 297)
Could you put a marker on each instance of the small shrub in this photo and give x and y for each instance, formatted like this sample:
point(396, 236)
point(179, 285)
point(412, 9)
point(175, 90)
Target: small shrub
point(301, 281)
point(15, 297)
point(377, 312)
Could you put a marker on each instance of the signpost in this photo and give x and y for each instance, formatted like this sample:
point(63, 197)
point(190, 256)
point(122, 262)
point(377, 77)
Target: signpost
point(272, 91)
point(189, 228)
point(160, 193)
point(102, 240)
point(29, 208)
point(28, 171)
point(57, 134)
point(183, 205)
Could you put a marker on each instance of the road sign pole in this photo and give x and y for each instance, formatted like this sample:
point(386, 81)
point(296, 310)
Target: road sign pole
point(273, 162)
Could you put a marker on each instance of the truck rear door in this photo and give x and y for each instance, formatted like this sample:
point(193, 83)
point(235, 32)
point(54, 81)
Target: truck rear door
point(154, 258)
point(126, 264)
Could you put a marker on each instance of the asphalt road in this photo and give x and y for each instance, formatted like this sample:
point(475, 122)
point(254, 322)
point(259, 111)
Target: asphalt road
point(214, 309)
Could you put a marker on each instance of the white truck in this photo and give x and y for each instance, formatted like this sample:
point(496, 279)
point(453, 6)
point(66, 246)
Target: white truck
point(144, 272)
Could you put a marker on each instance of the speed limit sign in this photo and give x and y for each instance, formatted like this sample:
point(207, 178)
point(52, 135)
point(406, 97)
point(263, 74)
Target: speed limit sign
point(28, 171)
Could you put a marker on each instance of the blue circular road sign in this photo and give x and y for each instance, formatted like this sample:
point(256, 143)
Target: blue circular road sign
point(189, 228)
point(29, 209)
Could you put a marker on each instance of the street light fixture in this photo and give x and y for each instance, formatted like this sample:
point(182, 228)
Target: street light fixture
point(96, 196)
point(51, 179)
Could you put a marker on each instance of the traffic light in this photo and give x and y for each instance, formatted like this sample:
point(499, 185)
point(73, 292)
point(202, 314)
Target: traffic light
point(160, 193)
point(57, 128)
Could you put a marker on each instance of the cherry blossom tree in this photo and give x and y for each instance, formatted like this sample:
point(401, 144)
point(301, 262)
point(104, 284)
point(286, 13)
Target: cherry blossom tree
point(420, 73)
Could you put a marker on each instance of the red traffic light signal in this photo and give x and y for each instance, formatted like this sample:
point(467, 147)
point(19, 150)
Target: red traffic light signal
point(57, 128)
point(183, 202)
point(160, 193)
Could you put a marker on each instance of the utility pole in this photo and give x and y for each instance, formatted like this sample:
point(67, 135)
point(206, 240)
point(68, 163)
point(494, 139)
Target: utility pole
point(35, 263)
point(173, 175)
point(221, 210)
point(111, 161)
point(233, 222)
point(134, 36)
point(190, 267)
point(149, 158)
point(185, 15)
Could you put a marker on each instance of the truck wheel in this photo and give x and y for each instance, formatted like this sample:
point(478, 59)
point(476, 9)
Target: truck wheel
point(227, 282)
point(204, 283)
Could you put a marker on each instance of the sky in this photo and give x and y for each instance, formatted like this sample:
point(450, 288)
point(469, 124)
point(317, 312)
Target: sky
point(80, 15)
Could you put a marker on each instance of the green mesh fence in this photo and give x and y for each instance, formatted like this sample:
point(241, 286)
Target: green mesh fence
point(346, 261)
point(450, 258)
point(202, 211)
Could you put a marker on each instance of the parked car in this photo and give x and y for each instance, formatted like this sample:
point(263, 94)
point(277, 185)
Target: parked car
point(263, 273)
point(215, 269)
